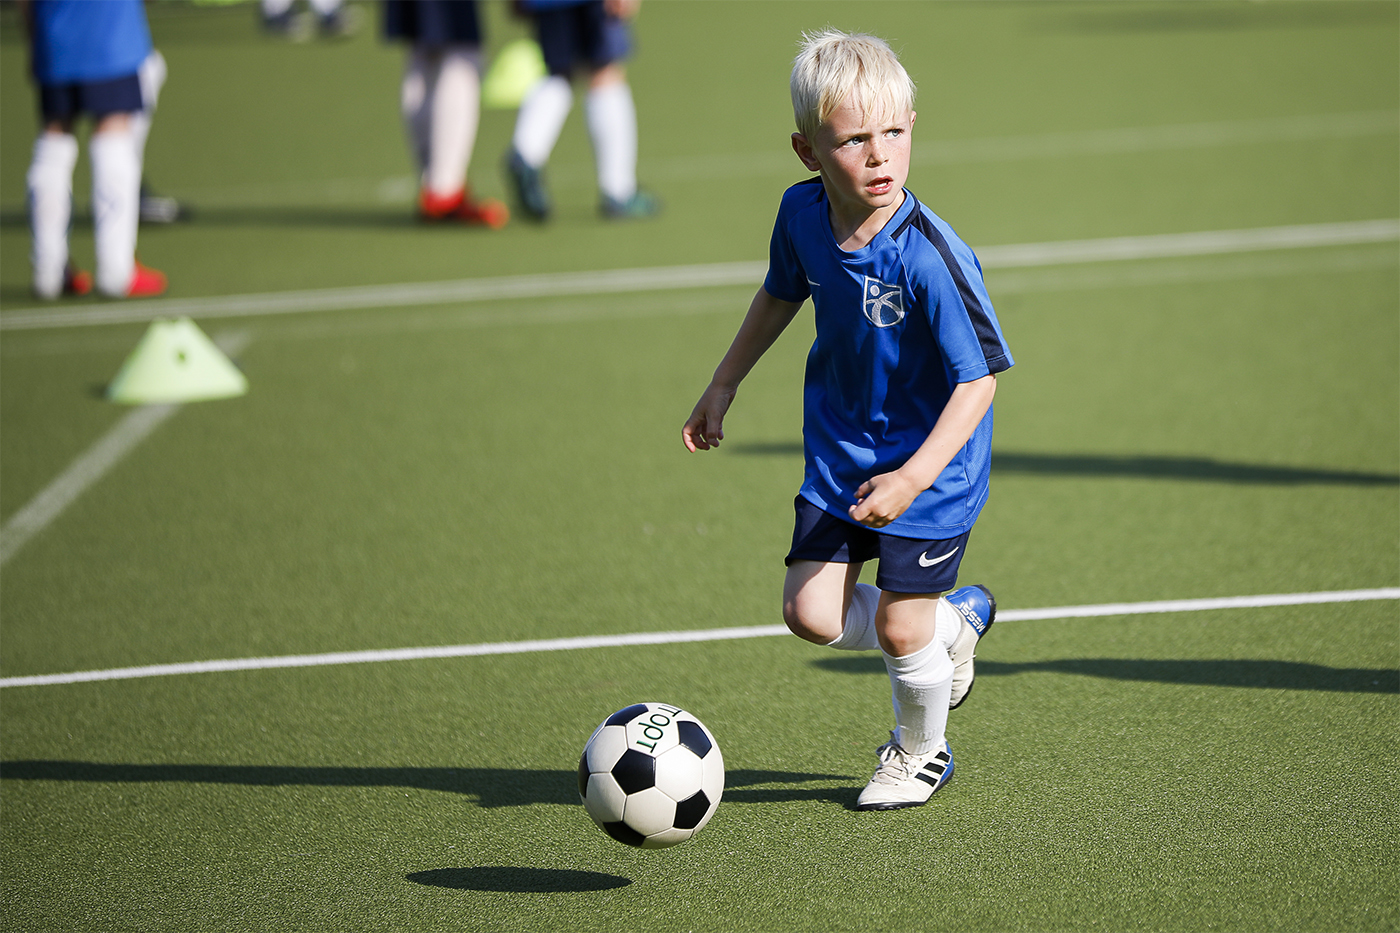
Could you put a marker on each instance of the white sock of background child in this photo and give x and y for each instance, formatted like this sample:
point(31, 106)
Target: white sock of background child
point(541, 119)
point(455, 103)
point(858, 632)
point(116, 200)
point(922, 683)
point(50, 190)
point(419, 74)
point(152, 77)
point(612, 127)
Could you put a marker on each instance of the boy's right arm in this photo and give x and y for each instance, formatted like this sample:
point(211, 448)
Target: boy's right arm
point(767, 318)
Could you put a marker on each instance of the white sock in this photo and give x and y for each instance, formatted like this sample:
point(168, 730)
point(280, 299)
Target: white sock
point(612, 126)
point(922, 683)
point(541, 119)
point(419, 75)
point(455, 104)
point(116, 187)
point(50, 190)
point(948, 623)
point(152, 77)
point(858, 632)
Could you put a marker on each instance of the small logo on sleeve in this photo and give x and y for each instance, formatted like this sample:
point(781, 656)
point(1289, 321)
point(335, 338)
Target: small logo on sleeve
point(883, 303)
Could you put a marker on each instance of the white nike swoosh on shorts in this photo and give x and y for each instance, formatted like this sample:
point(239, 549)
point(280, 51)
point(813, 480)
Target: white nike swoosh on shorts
point(925, 562)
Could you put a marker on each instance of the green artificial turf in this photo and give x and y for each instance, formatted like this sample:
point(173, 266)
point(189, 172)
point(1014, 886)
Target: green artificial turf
point(494, 471)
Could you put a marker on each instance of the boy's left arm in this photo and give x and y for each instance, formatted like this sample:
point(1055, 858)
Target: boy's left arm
point(881, 499)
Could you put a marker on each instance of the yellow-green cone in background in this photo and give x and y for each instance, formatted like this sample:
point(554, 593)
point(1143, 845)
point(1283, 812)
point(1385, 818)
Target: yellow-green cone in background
point(175, 362)
point(518, 67)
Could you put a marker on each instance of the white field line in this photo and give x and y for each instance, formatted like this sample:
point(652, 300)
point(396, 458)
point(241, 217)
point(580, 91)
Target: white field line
point(1211, 242)
point(665, 638)
point(92, 465)
point(662, 278)
point(87, 469)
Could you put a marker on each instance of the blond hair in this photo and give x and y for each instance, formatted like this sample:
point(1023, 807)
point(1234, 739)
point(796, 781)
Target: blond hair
point(833, 66)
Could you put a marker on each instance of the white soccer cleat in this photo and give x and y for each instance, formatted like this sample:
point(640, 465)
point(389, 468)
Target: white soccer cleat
point(979, 610)
point(905, 780)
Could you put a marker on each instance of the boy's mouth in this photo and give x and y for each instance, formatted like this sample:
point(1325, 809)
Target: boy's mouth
point(880, 185)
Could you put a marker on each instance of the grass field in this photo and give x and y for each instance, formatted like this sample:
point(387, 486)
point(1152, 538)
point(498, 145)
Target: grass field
point(1218, 421)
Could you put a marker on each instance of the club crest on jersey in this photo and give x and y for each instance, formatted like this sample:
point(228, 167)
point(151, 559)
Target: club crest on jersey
point(882, 303)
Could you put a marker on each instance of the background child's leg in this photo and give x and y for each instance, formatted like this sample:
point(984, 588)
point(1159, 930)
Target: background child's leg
point(116, 198)
point(541, 119)
point(50, 184)
point(612, 127)
point(456, 109)
point(152, 77)
point(419, 75)
point(915, 634)
point(823, 603)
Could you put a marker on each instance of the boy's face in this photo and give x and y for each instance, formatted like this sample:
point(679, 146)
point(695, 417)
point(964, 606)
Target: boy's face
point(863, 156)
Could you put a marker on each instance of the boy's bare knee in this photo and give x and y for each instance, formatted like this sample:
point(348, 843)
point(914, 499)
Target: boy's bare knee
point(804, 626)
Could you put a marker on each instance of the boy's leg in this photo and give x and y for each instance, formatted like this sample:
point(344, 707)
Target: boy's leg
point(916, 632)
point(823, 603)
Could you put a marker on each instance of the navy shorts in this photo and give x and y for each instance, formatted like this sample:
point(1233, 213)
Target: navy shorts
point(580, 34)
point(95, 98)
point(907, 565)
point(433, 22)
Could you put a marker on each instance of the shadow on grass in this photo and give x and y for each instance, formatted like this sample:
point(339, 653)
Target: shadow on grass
point(1200, 469)
point(1271, 675)
point(515, 880)
point(493, 787)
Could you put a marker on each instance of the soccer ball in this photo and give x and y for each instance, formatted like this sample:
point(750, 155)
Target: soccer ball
point(651, 775)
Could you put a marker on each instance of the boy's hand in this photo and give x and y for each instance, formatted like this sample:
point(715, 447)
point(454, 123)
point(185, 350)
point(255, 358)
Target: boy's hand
point(881, 499)
point(705, 427)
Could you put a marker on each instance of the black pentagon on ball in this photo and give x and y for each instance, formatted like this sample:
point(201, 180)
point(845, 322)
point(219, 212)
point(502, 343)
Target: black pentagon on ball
point(694, 738)
point(635, 771)
point(624, 833)
point(692, 810)
point(623, 716)
point(583, 774)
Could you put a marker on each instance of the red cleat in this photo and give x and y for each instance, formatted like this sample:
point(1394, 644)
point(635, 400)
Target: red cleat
point(76, 281)
point(146, 283)
point(461, 208)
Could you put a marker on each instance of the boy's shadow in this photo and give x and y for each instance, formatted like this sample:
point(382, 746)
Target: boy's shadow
point(1273, 675)
point(492, 787)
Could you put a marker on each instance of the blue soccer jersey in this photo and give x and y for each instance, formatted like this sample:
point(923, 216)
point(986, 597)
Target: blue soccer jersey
point(88, 41)
point(899, 323)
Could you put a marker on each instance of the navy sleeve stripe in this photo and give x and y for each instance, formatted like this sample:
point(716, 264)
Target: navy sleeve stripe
point(987, 337)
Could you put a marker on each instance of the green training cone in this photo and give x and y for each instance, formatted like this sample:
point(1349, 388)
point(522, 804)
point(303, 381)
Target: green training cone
point(518, 67)
point(175, 362)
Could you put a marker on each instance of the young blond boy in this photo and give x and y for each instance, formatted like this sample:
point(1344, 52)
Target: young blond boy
point(897, 416)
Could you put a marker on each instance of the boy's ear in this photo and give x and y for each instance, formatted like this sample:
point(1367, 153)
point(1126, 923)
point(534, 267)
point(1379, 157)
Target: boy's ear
point(805, 152)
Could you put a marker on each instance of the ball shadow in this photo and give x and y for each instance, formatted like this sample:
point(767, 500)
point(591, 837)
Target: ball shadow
point(511, 879)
